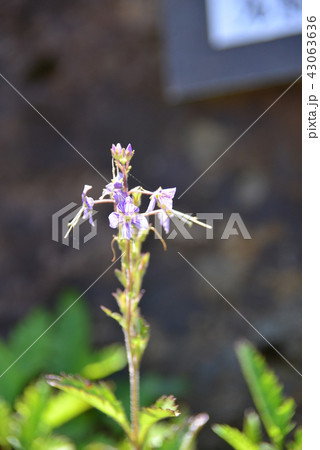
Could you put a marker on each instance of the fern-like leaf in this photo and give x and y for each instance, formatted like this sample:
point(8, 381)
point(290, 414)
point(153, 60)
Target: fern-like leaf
point(163, 408)
point(98, 395)
point(275, 411)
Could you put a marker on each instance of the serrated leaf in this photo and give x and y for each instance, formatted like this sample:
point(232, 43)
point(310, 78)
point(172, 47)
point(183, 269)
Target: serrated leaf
point(64, 407)
point(164, 408)
point(252, 427)
point(234, 437)
point(98, 395)
point(275, 411)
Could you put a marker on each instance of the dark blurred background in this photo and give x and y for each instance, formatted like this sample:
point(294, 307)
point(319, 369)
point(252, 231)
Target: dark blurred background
point(94, 70)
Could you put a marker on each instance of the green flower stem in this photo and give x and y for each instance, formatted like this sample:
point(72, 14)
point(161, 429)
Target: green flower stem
point(133, 363)
point(132, 360)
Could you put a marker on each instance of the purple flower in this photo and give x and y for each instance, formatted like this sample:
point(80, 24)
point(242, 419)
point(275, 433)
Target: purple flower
point(87, 203)
point(164, 199)
point(164, 220)
point(116, 188)
point(116, 150)
point(122, 154)
point(129, 150)
point(128, 217)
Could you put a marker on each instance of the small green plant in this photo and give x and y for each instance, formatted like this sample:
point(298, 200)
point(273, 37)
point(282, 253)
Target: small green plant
point(35, 416)
point(275, 411)
point(133, 227)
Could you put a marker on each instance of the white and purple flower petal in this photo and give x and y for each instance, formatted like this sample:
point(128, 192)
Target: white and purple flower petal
point(164, 221)
point(114, 219)
point(152, 203)
point(129, 149)
point(127, 230)
point(165, 198)
point(88, 204)
point(140, 222)
point(114, 187)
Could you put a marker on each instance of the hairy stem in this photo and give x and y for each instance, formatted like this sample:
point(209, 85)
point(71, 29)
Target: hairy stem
point(134, 392)
point(132, 361)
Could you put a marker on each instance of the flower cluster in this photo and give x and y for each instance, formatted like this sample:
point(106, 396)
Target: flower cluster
point(126, 215)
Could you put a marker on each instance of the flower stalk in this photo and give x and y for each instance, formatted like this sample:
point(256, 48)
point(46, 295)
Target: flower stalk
point(133, 227)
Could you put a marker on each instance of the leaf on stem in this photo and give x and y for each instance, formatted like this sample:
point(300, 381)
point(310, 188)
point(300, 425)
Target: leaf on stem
point(252, 426)
point(98, 395)
point(116, 316)
point(121, 277)
point(164, 408)
point(140, 340)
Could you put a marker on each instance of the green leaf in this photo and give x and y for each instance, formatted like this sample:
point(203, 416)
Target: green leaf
point(4, 423)
point(194, 426)
point(98, 395)
point(297, 443)
point(62, 408)
point(53, 443)
point(70, 351)
point(30, 365)
point(107, 361)
point(163, 408)
point(275, 411)
point(252, 427)
point(12, 382)
point(121, 277)
point(30, 408)
point(139, 271)
point(234, 437)
point(114, 315)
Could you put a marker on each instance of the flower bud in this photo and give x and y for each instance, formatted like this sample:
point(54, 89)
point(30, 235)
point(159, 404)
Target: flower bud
point(123, 155)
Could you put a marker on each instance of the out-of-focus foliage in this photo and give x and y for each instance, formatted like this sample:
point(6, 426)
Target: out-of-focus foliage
point(33, 415)
point(275, 410)
point(25, 427)
point(178, 435)
point(101, 396)
point(64, 347)
point(98, 395)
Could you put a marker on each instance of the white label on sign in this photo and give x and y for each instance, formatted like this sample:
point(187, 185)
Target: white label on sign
point(233, 23)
